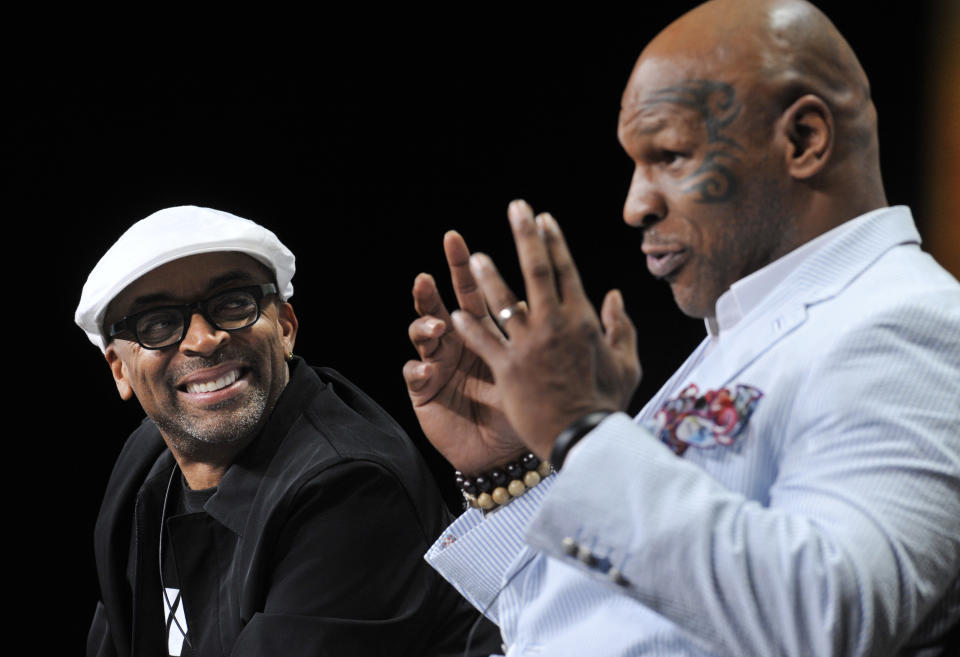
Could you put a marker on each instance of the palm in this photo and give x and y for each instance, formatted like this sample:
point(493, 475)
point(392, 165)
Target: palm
point(461, 413)
point(459, 406)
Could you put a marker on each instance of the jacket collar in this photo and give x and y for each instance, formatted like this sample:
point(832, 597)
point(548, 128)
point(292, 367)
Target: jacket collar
point(838, 263)
point(826, 273)
point(231, 504)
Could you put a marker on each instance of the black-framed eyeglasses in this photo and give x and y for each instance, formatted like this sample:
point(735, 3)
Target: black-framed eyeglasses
point(166, 326)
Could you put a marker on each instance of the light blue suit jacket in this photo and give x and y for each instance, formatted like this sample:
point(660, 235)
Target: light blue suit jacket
point(831, 525)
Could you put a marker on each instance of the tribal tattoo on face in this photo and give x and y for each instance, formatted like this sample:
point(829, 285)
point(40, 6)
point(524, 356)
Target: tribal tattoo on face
point(717, 105)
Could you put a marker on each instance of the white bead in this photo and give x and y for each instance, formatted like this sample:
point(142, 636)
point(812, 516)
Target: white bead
point(500, 495)
point(485, 502)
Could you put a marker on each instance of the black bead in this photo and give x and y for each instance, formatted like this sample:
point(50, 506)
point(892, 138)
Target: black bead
point(498, 477)
point(530, 462)
point(468, 487)
point(483, 484)
point(514, 470)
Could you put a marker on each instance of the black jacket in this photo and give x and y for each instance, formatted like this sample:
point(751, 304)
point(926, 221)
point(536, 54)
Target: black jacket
point(312, 544)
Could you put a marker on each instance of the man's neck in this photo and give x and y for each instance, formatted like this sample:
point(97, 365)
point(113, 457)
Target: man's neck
point(205, 467)
point(200, 476)
point(745, 294)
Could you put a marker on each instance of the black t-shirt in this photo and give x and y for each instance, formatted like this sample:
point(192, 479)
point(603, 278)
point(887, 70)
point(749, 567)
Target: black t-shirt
point(182, 500)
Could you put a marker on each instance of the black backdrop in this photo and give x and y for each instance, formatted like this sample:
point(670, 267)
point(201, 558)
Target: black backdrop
point(359, 148)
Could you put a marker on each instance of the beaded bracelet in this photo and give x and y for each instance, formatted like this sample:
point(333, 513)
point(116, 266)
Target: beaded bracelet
point(500, 485)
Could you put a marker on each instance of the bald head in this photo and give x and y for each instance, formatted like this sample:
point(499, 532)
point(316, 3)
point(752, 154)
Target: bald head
point(752, 130)
point(774, 52)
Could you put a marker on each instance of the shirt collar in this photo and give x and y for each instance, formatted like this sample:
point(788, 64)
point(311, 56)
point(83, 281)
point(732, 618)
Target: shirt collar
point(744, 295)
point(231, 504)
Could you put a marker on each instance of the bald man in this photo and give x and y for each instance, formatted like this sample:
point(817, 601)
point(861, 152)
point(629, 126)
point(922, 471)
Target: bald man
point(794, 488)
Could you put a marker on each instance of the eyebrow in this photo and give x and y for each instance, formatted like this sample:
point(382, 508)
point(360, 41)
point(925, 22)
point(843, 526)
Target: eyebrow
point(648, 128)
point(235, 276)
point(639, 124)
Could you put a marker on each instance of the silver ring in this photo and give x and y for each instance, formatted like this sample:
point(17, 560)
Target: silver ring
point(511, 310)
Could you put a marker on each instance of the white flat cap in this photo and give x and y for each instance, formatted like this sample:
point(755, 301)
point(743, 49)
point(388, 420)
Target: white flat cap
point(168, 235)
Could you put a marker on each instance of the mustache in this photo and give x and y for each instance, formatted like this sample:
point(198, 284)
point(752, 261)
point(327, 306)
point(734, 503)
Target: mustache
point(228, 353)
point(653, 239)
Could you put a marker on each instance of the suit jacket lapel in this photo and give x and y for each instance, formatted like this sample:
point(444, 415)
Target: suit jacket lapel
point(819, 278)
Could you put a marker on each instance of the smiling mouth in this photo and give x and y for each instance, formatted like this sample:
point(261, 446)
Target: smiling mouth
point(219, 383)
point(665, 264)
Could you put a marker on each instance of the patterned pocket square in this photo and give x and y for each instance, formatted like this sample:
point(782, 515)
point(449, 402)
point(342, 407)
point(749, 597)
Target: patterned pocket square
point(714, 418)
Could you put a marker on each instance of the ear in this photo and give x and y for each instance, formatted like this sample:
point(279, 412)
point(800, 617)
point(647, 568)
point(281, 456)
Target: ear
point(119, 370)
point(809, 130)
point(287, 320)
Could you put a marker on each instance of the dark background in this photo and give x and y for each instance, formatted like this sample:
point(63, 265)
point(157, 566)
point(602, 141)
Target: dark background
point(359, 147)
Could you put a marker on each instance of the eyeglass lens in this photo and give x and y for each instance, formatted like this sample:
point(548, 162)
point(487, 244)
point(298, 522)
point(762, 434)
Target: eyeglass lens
point(231, 310)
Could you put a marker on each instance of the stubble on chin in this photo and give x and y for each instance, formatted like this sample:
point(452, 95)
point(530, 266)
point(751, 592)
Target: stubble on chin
point(194, 433)
point(194, 436)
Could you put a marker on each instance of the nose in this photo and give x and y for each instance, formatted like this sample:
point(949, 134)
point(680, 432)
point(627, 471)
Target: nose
point(202, 338)
point(645, 204)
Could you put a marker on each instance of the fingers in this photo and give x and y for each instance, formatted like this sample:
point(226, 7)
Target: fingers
point(464, 284)
point(416, 374)
point(479, 340)
point(495, 290)
point(426, 298)
point(425, 334)
point(518, 309)
point(468, 292)
point(619, 331)
point(538, 272)
point(423, 381)
point(621, 336)
point(565, 271)
point(545, 261)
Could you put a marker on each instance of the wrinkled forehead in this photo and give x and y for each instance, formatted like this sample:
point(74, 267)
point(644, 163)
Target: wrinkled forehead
point(656, 70)
point(662, 91)
point(655, 82)
point(188, 279)
point(682, 89)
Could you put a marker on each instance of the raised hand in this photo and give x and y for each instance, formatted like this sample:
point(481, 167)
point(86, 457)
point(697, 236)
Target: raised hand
point(557, 364)
point(453, 392)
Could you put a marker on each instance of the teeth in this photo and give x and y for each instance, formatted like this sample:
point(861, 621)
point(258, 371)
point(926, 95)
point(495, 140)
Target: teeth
point(210, 386)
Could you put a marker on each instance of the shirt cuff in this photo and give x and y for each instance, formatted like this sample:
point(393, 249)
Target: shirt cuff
point(476, 553)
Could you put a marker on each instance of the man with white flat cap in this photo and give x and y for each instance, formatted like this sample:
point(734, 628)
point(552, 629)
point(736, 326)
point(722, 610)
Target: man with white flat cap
point(263, 506)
